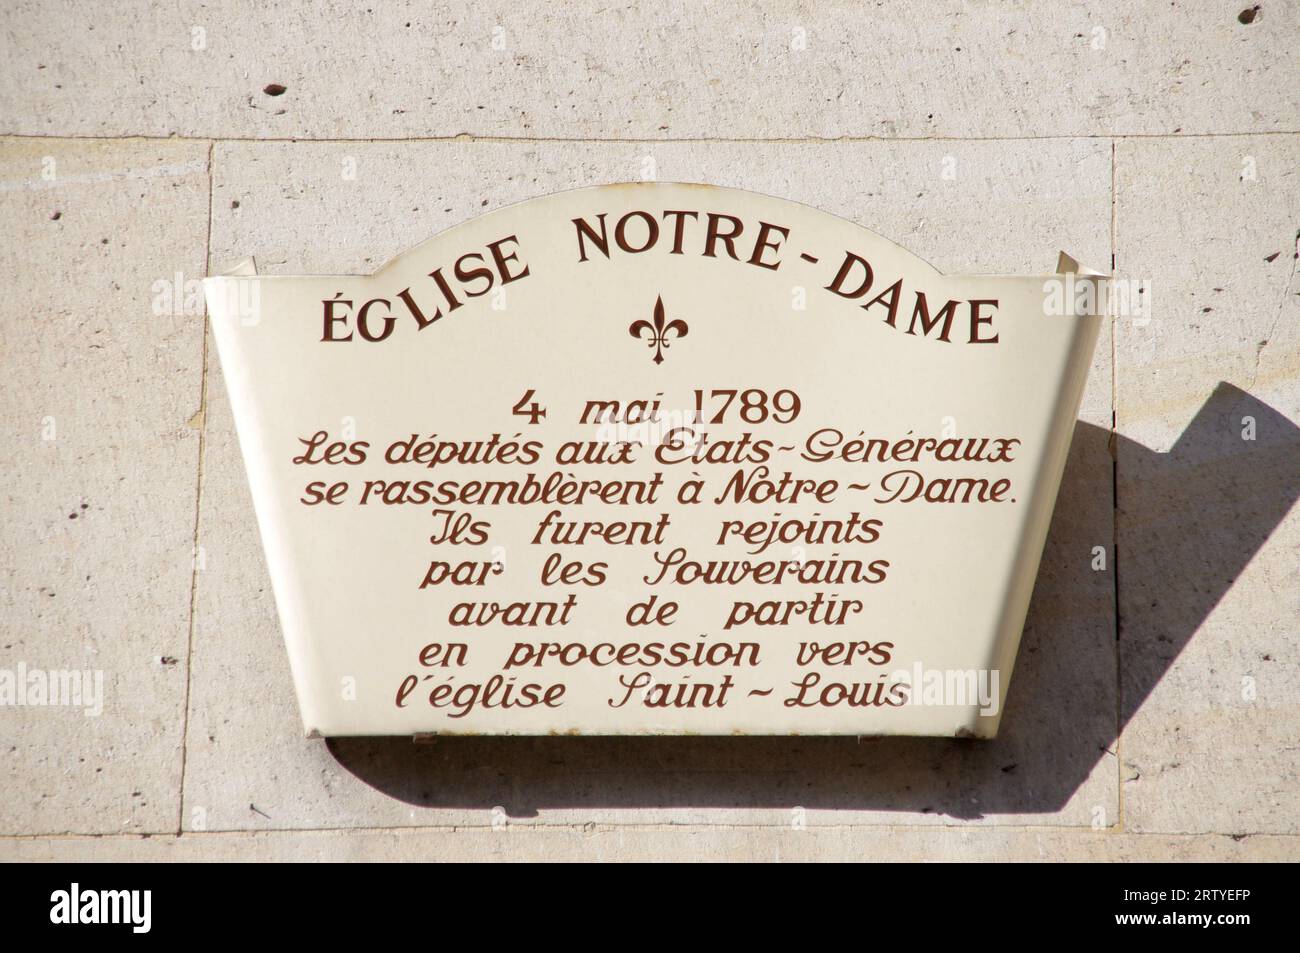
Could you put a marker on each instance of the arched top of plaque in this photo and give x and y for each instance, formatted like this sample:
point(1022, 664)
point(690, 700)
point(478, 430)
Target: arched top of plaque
point(689, 218)
point(730, 215)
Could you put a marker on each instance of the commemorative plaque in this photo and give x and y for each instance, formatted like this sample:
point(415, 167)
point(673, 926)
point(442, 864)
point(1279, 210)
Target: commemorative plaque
point(654, 459)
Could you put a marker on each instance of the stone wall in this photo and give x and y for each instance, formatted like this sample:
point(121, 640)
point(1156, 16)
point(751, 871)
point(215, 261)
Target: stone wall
point(1156, 707)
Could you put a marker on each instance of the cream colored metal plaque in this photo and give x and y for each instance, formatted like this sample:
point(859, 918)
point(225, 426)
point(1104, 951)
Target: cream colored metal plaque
point(654, 458)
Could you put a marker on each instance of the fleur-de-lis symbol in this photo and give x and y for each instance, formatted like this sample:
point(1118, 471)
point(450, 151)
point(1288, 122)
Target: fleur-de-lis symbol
point(659, 331)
